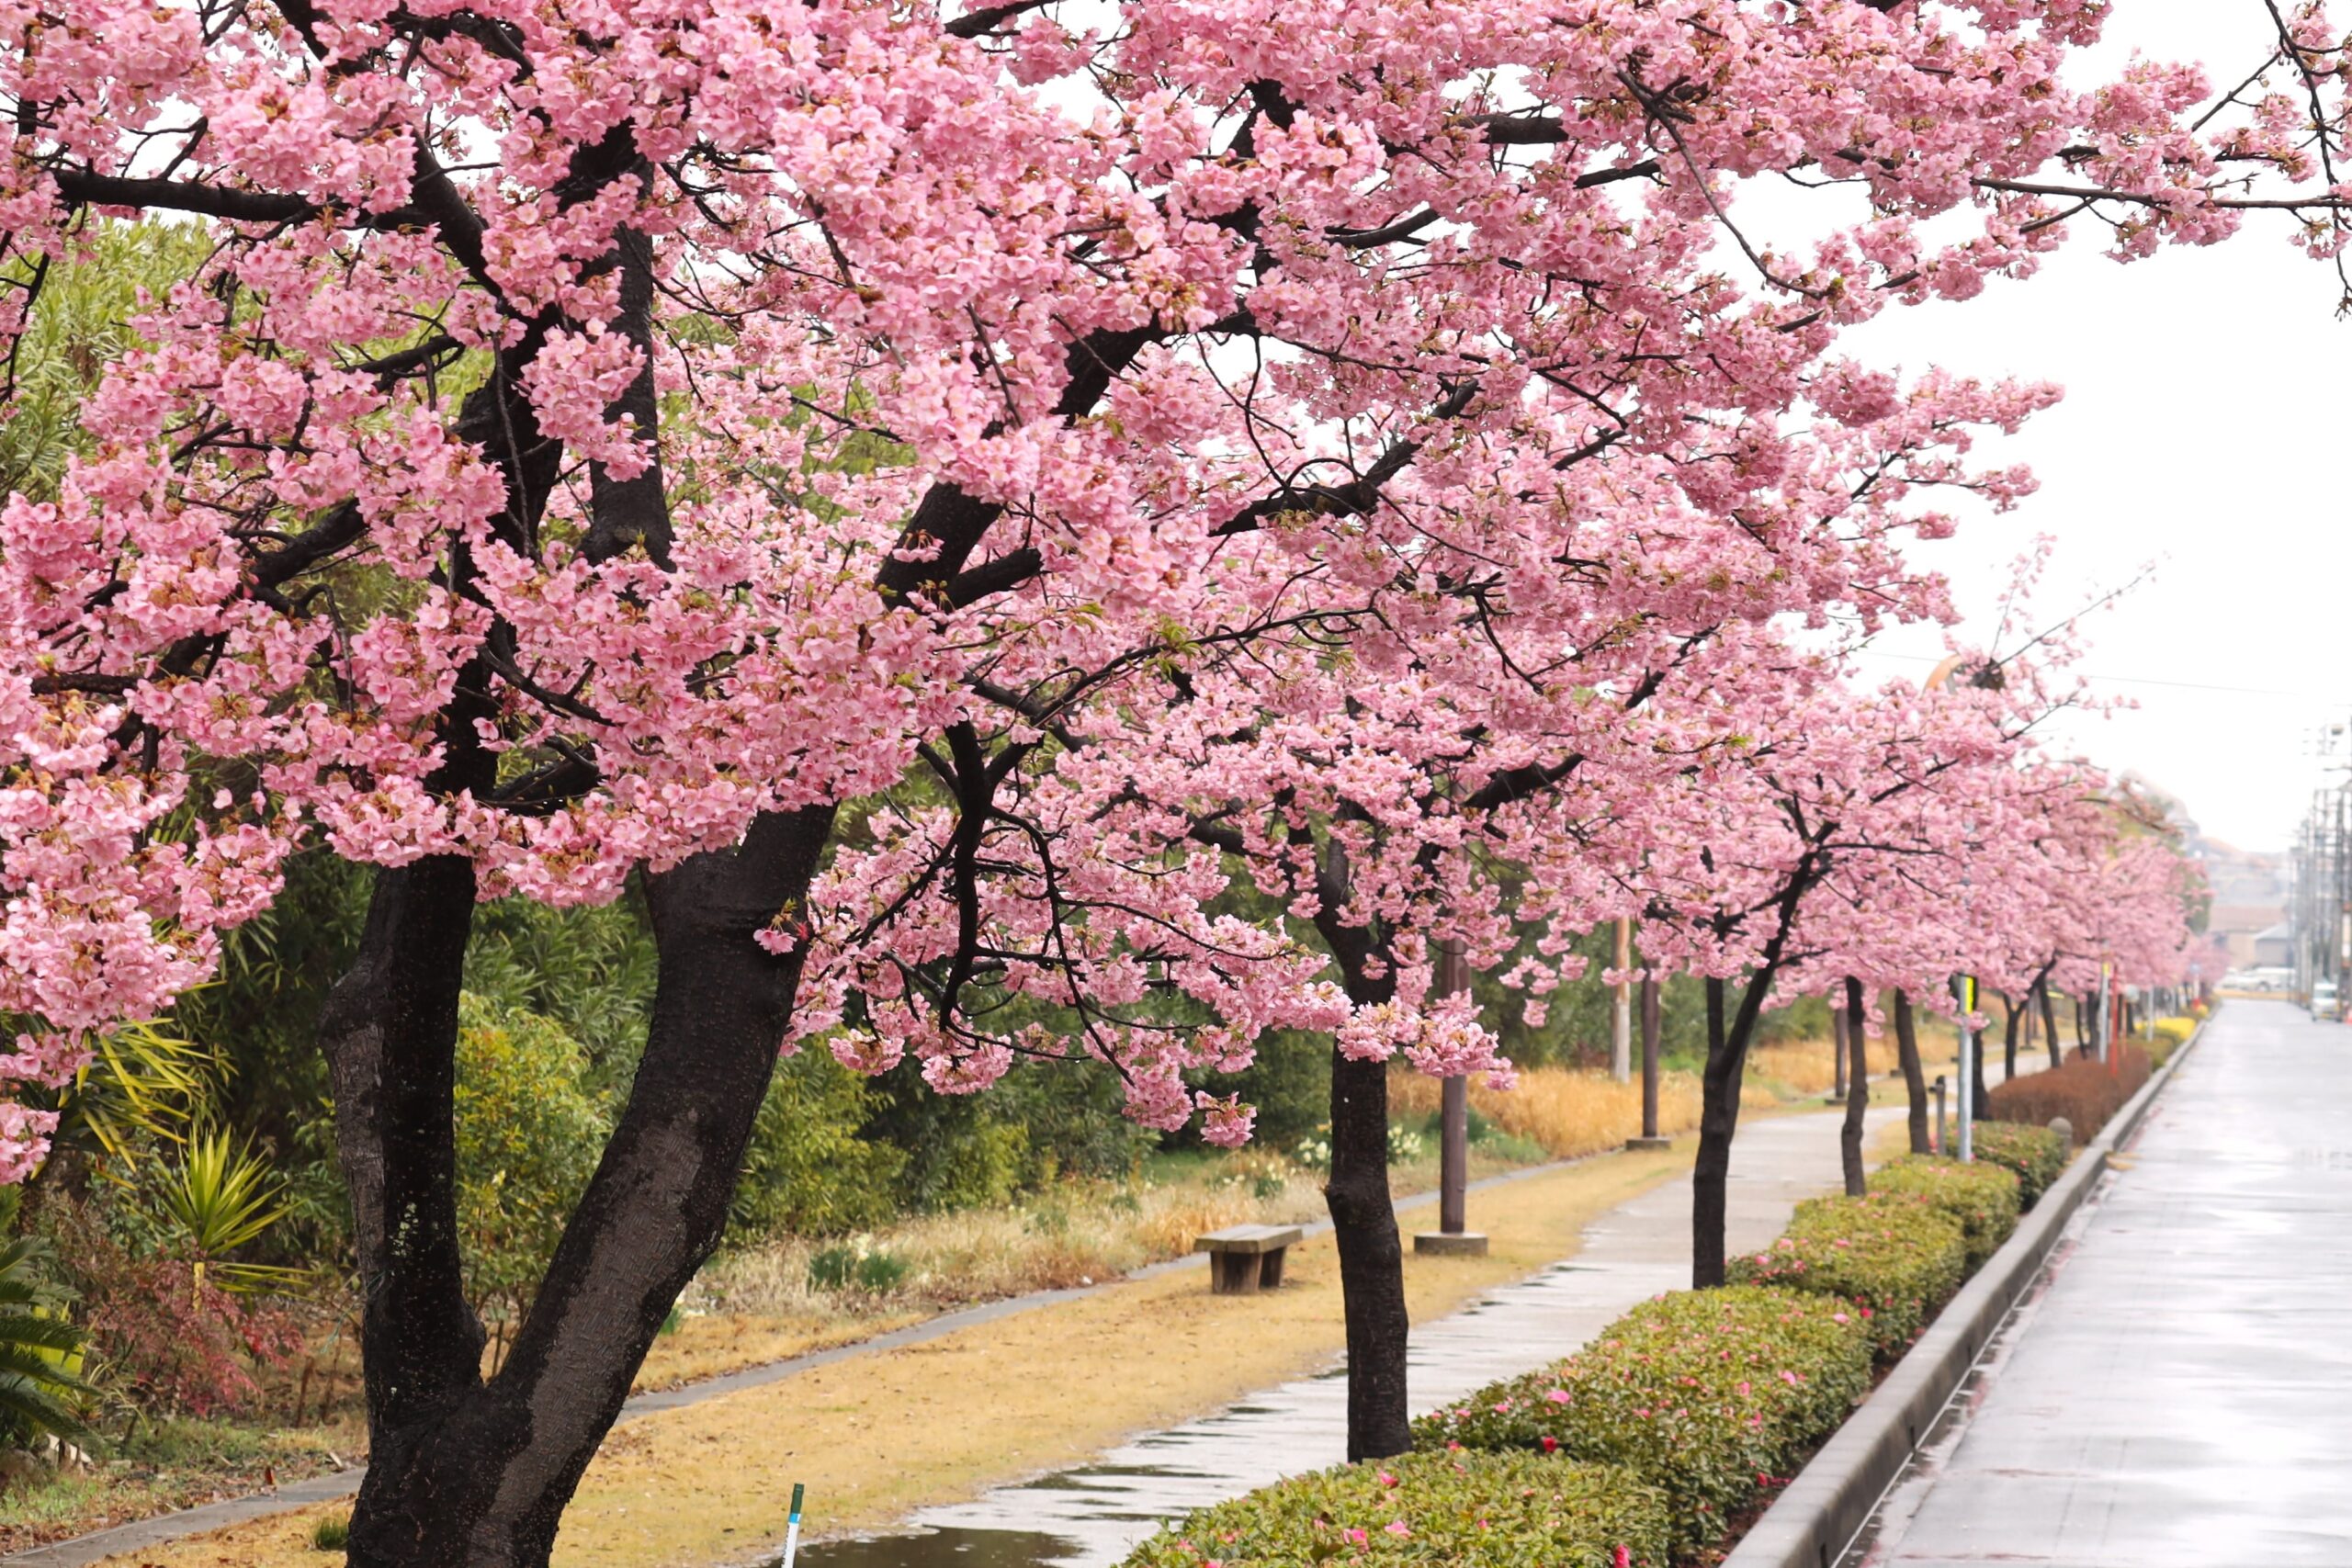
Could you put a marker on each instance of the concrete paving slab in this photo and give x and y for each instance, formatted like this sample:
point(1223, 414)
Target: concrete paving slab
point(2181, 1394)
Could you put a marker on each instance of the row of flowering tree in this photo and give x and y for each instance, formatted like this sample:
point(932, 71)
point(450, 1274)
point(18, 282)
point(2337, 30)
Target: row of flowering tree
point(1027, 540)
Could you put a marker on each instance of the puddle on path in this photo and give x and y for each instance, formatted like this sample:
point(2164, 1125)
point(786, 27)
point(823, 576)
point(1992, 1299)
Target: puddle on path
point(942, 1549)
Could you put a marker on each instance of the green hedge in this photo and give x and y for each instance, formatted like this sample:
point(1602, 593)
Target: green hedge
point(1463, 1509)
point(1706, 1394)
point(2035, 1155)
point(1983, 1196)
point(1892, 1255)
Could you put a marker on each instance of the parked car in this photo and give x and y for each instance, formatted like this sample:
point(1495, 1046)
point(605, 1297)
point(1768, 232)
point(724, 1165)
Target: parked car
point(2326, 1006)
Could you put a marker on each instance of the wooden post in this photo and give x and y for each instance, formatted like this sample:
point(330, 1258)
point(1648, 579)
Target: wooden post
point(1452, 1235)
point(1650, 1029)
point(1650, 1022)
point(1454, 1158)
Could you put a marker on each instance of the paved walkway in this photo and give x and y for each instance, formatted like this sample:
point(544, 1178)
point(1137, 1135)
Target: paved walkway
point(1090, 1517)
point(2179, 1392)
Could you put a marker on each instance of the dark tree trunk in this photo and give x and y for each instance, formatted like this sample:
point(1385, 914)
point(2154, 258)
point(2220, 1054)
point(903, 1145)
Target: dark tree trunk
point(2050, 1024)
point(389, 1034)
point(1372, 1261)
point(1718, 1120)
point(2009, 1037)
point(1838, 1049)
point(2085, 1009)
point(1363, 1214)
point(1914, 1077)
point(467, 1474)
point(1980, 1098)
point(1727, 1042)
point(1728, 1038)
point(1857, 1092)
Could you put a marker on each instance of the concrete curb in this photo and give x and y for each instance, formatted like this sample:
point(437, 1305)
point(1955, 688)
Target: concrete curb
point(1809, 1525)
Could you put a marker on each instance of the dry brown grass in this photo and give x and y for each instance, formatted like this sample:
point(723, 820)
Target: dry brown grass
point(930, 1423)
point(1809, 1067)
point(1074, 1235)
point(1568, 1113)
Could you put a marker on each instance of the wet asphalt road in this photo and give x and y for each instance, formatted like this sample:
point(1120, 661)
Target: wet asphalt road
point(2182, 1392)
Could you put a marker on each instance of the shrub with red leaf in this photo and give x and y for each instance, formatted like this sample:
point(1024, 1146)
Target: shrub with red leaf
point(2083, 1091)
point(168, 1338)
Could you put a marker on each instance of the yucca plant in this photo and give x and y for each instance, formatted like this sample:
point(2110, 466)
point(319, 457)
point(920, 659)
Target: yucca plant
point(137, 1092)
point(224, 1196)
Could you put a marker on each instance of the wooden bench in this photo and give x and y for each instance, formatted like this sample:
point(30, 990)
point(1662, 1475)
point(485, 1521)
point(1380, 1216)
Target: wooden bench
point(1244, 1259)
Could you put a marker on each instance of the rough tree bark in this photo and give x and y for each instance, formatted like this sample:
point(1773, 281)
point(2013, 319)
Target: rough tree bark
point(2050, 1023)
point(1980, 1098)
point(1719, 1083)
point(2009, 1036)
point(469, 1473)
point(1718, 1120)
point(1837, 1050)
point(1914, 1077)
point(1727, 1041)
point(1364, 1215)
point(1857, 1092)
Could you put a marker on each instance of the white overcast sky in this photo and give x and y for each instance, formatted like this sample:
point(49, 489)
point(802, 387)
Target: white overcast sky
point(2201, 425)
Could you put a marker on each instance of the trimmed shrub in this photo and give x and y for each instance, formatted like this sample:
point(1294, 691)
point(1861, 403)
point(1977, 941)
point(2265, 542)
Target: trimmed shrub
point(1892, 1255)
point(1983, 1196)
point(1707, 1394)
point(2083, 1091)
point(2168, 1035)
point(2035, 1155)
point(1465, 1510)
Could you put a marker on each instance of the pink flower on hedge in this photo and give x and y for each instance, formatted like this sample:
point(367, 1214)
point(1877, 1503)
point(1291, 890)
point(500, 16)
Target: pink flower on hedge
point(1620, 1558)
point(1840, 1317)
point(1400, 1528)
point(1357, 1537)
point(1386, 1479)
point(1551, 1444)
point(1558, 1396)
point(1789, 1377)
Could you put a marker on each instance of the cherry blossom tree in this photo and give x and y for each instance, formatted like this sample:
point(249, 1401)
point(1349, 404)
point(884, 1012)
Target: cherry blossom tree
point(716, 444)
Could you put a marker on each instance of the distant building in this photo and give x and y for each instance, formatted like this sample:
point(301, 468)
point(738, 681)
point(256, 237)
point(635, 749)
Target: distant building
point(2274, 947)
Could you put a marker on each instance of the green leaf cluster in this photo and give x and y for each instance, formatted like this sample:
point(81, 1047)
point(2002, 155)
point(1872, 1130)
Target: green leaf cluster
point(1981, 1195)
point(2035, 1155)
point(530, 1130)
point(1892, 1255)
point(1707, 1395)
point(1463, 1509)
